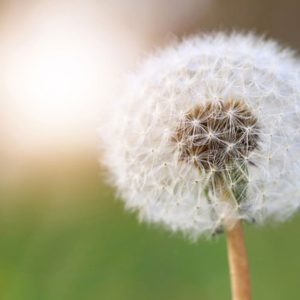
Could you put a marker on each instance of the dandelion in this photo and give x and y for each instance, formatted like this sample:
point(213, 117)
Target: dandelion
point(207, 135)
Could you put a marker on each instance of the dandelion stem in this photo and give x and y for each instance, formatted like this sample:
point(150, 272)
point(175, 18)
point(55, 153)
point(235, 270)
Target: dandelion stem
point(238, 263)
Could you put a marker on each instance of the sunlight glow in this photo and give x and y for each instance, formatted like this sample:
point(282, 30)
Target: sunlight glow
point(57, 72)
point(53, 75)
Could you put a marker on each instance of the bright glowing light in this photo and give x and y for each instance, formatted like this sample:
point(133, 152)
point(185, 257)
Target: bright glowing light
point(51, 80)
point(57, 70)
point(53, 75)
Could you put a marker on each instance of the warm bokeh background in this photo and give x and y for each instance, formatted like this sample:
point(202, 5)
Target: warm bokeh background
point(62, 233)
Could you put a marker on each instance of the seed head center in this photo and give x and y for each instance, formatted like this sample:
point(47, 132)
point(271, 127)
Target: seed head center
point(217, 133)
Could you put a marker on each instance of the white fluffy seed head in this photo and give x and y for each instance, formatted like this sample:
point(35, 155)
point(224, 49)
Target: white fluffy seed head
point(213, 116)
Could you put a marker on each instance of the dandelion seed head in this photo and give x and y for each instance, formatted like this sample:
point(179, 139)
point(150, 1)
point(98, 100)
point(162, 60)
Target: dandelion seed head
point(216, 116)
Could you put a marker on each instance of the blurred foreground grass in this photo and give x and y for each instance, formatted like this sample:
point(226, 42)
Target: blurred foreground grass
point(71, 240)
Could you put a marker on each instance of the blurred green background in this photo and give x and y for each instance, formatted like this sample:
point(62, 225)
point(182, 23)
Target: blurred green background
point(63, 235)
point(89, 248)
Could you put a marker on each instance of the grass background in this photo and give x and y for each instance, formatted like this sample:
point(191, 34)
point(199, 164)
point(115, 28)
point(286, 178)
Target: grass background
point(74, 241)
